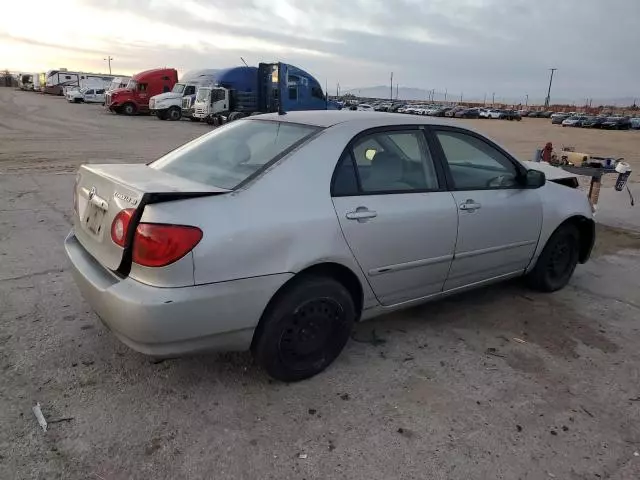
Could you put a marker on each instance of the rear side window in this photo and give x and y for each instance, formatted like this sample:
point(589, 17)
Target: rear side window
point(231, 154)
point(385, 162)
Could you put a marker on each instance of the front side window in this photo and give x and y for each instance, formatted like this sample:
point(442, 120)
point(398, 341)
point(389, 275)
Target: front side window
point(229, 155)
point(474, 164)
point(178, 88)
point(189, 90)
point(394, 161)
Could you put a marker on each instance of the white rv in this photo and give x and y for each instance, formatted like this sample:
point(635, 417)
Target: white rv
point(118, 82)
point(25, 81)
point(57, 80)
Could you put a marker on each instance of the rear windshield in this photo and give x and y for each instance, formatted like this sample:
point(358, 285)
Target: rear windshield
point(229, 155)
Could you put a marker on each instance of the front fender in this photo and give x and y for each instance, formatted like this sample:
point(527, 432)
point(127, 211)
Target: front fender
point(561, 204)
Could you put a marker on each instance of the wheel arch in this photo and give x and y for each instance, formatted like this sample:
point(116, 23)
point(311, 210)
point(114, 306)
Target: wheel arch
point(587, 229)
point(336, 271)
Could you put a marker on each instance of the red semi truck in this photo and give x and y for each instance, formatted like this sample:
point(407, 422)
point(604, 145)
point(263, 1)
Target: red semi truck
point(134, 98)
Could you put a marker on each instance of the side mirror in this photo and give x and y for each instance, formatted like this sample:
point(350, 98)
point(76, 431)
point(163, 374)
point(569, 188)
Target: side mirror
point(534, 179)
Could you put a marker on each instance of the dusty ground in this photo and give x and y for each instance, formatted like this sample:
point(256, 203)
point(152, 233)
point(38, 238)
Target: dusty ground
point(501, 383)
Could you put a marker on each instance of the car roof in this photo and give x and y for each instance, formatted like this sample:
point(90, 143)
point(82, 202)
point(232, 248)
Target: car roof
point(328, 118)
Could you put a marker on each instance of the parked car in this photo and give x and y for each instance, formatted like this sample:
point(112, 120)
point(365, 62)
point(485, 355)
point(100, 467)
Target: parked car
point(616, 123)
point(510, 115)
point(467, 113)
point(94, 95)
point(364, 107)
point(635, 123)
point(546, 114)
point(575, 121)
point(534, 114)
point(74, 94)
point(170, 261)
point(494, 113)
point(594, 122)
point(452, 112)
point(523, 113)
point(558, 118)
point(484, 113)
point(440, 111)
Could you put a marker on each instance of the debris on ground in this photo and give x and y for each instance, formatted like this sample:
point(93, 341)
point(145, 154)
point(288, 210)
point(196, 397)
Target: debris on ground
point(493, 351)
point(375, 339)
point(519, 340)
point(405, 432)
point(60, 420)
point(302, 456)
point(345, 396)
point(37, 411)
point(312, 411)
point(519, 428)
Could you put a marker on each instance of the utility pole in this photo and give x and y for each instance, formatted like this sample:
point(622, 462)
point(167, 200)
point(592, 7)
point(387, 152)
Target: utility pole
point(108, 59)
point(493, 99)
point(397, 87)
point(337, 89)
point(548, 99)
point(391, 90)
point(526, 102)
point(484, 102)
point(461, 97)
point(445, 94)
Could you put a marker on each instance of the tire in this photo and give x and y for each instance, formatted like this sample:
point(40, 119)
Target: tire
point(174, 114)
point(194, 119)
point(558, 260)
point(129, 109)
point(305, 329)
point(161, 114)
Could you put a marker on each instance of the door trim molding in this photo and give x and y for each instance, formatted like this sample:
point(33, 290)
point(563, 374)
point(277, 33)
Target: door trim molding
point(483, 251)
point(409, 265)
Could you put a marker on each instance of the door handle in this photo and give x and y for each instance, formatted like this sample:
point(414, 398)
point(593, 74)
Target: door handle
point(361, 214)
point(469, 206)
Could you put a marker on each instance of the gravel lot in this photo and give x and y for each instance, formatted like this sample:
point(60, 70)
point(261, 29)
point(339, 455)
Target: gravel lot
point(498, 383)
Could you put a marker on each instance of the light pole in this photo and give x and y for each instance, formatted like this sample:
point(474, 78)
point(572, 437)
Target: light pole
point(493, 99)
point(484, 103)
point(391, 89)
point(526, 102)
point(445, 95)
point(108, 59)
point(548, 99)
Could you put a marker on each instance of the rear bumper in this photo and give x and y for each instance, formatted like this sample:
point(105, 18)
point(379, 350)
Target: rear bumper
point(173, 321)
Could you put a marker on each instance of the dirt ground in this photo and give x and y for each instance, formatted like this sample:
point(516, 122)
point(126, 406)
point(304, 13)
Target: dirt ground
point(500, 383)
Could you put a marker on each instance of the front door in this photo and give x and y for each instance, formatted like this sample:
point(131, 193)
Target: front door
point(395, 214)
point(499, 220)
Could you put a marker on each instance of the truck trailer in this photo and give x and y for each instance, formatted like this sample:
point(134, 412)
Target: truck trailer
point(271, 87)
point(134, 98)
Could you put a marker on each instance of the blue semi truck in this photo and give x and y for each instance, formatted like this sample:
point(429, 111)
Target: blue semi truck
point(270, 87)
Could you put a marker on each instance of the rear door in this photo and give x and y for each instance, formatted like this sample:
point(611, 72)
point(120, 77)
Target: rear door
point(499, 220)
point(395, 214)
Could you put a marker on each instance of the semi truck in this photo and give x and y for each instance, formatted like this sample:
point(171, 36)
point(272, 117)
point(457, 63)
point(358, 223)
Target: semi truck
point(176, 103)
point(134, 98)
point(271, 87)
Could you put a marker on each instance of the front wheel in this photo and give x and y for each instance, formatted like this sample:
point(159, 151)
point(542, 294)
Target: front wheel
point(129, 109)
point(557, 261)
point(305, 329)
point(174, 114)
point(161, 114)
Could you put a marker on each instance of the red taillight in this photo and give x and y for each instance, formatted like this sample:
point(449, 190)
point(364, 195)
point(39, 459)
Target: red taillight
point(120, 226)
point(157, 245)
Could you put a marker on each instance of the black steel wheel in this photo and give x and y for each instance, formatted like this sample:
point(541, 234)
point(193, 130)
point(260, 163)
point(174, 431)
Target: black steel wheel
point(305, 329)
point(558, 260)
point(129, 109)
point(174, 114)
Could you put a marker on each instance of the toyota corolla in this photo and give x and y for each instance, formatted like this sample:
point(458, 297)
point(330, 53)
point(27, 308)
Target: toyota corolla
point(276, 233)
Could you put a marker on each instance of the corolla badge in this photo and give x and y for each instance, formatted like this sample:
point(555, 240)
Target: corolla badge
point(126, 198)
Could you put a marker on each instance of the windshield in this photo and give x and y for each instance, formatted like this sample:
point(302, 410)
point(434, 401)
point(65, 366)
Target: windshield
point(231, 154)
point(203, 94)
point(132, 84)
point(178, 88)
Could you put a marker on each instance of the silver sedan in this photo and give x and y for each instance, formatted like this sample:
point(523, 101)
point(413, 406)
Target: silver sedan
point(277, 232)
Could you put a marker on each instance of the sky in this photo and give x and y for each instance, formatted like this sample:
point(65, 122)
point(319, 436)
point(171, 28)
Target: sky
point(470, 46)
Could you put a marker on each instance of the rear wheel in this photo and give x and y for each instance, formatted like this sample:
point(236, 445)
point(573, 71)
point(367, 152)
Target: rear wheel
point(129, 109)
point(558, 260)
point(174, 114)
point(305, 329)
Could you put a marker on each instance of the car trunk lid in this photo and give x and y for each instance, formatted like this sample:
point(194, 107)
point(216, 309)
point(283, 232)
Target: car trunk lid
point(102, 191)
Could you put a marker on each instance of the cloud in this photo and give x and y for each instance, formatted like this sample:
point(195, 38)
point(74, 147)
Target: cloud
point(470, 46)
